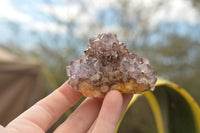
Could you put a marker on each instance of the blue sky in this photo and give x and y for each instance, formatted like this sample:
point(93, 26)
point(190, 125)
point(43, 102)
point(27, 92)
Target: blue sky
point(23, 19)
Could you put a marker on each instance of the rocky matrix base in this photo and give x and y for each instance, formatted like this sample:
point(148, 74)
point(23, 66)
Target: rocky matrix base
point(108, 65)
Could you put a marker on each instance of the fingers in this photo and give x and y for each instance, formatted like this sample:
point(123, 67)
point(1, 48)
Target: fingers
point(2, 129)
point(92, 127)
point(110, 113)
point(44, 113)
point(82, 118)
point(126, 100)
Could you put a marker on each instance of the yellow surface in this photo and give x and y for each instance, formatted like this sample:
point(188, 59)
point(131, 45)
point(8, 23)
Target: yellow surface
point(156, 108)
point(156, 111)
point(194, 106)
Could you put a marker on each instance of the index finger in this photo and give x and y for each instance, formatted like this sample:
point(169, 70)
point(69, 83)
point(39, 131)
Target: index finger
point(45, 112)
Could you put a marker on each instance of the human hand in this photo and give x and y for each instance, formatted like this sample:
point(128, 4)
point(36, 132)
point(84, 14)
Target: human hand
point(93, 115)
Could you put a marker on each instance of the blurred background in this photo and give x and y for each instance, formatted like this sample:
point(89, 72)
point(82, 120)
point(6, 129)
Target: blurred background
point(48, 34)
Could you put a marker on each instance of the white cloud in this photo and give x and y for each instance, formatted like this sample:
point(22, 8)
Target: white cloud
point(63, 13)
point(8, 12)
point(68, 13)
point(74, 12)
point(176, 10)
point(100, 4)
point(49, 27)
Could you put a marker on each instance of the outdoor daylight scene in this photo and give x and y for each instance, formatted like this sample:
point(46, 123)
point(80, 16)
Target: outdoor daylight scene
point(100, 66)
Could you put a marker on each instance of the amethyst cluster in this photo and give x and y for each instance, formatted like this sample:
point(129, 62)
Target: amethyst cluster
point(107, 64)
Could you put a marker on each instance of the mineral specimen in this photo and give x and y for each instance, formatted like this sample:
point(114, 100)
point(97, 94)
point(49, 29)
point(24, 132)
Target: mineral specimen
point(108, 65)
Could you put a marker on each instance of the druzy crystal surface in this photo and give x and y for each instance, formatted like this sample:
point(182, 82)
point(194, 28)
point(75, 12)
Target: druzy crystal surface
point(107, 64)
